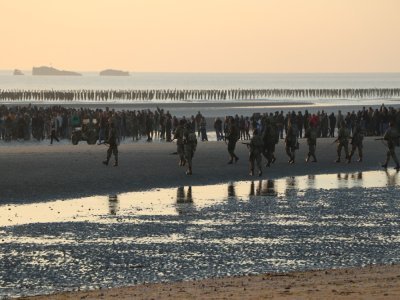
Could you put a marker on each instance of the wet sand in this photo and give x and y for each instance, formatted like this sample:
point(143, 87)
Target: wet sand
point(41, 172)
point(371, 282)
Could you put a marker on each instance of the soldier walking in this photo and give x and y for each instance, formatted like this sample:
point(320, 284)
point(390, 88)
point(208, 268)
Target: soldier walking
point(343, 141)
point(232, 137)
point(112, 144)
point(392, 137)
point(270, 138)
point(291, 141)
point(178, 136)
point(311, 136)
point(255, 149)
point(189, 146)
point(357, 143)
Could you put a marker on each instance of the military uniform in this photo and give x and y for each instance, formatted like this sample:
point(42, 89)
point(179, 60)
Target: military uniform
point(357, 144)
point(311, 135)
point(190, 144)
point(113, 146)
point(392, 138)
point(291, 142)
point(179, 143)
point(256, 148)
point(343, 142)
point(270, 139)
point(232, 138)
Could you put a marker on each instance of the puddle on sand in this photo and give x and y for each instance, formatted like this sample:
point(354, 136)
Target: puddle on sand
point(172, 201)
point(294, 223)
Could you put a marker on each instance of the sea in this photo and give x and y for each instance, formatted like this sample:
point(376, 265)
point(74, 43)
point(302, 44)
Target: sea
point(91, 80)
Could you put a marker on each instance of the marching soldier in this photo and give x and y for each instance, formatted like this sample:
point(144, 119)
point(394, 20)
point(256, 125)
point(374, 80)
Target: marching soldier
point(189, 146)
point(256, 148)
point(112, 144)
point(357, 143)
point(270, 138)
point(232, 137)
point(178, 136)
point(291, 141)
point(311, 136)
point(392, 138)
point(343, 141)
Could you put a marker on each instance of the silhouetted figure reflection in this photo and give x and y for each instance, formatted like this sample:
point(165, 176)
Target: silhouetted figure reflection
point(113, 205)
point(291, 186)
point(231, 190)
point(392, 178)
point(269, 188)
point(184, 202)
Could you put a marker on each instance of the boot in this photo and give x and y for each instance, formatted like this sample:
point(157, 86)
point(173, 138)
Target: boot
point(105, 162)
point(116, 163)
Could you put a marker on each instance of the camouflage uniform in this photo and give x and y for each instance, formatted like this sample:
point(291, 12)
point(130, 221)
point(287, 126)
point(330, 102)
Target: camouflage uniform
point(357, 143)
point(311, 135)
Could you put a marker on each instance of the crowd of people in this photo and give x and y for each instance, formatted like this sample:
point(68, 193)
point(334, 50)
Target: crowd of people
point(262, 130)
point(195, 94)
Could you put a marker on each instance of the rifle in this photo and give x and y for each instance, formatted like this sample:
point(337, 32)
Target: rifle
point(335, 141)
point(245, 143)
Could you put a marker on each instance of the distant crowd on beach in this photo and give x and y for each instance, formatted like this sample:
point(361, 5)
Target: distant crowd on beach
point(195, 94)
point(24, 123)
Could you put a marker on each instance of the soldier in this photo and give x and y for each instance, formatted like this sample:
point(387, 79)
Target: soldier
point(112, 144)
point(232, 137)
point(270, 138)
point(178, 136)
point(256, 148)
point(343, 141)
point(190, 144)
point(392, 137)
point(291, 143)
point(357, 143)
point(311, 136)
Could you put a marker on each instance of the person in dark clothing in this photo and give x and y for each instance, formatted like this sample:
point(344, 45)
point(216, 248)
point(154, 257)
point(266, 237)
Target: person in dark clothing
point(112, 144)
point(232, 137)
point(332, 125)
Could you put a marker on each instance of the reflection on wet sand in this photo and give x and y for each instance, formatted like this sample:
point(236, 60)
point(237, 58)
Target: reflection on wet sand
point(201, 231)
point(130, 206)
point(184, 202)
point(113, 204)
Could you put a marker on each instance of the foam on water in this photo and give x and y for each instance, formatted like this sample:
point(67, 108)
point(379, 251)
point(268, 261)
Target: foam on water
point(294, 223)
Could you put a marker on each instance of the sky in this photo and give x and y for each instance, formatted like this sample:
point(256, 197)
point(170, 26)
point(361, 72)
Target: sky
point(271, 36)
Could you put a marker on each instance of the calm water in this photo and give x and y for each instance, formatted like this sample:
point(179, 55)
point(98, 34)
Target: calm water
point(294, 223)
point(201, 81)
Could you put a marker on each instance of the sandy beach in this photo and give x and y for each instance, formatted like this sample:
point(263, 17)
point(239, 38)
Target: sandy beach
point(35, 173)
point(41, 172)
point(371, 282)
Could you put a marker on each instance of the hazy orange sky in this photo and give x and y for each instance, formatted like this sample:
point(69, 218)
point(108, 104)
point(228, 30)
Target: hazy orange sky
point(202, 36)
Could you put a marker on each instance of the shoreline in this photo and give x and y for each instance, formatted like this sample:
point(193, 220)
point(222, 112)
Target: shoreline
point(368, 282)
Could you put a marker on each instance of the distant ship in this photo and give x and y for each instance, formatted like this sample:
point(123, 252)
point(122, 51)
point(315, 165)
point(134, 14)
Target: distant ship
point(17, 72)
point(49, 71)
point(111, 72)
